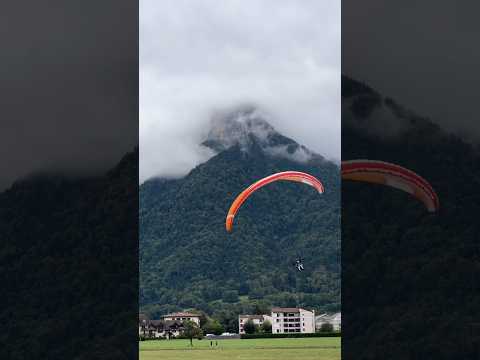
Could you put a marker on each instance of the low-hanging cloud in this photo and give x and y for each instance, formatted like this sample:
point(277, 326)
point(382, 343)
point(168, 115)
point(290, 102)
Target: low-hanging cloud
point(198, 57)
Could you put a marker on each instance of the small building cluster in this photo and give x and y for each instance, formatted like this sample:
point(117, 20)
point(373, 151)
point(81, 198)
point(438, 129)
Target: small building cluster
point(292, 320)
point(257, 320)
point(182, 316)
point(282, 320)
point(168, 327)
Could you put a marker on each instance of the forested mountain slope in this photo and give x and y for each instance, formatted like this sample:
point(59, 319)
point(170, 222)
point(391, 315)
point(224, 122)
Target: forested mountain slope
point(408, 276)
point(187, 259)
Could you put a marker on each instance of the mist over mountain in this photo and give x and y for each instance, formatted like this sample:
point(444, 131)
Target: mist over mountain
point(187, 260)
point(247, 126)
point(407, 275)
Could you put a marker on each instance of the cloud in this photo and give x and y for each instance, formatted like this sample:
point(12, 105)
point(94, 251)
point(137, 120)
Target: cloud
point(199, 56)
point(300, 154)
point(382, 121)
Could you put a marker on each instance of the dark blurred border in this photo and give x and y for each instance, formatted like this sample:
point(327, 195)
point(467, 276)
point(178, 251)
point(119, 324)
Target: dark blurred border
point(69, 180)
point(409, 288)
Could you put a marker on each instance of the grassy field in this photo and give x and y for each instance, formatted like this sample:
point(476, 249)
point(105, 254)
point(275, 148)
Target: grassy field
point(252, 349)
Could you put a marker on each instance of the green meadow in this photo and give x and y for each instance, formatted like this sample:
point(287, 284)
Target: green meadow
point(251, 349)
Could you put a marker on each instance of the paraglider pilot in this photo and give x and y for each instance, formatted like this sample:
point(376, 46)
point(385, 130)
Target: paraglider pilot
point(299, 265)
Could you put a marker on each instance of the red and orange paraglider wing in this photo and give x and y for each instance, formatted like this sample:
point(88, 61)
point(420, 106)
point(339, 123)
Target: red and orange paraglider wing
point(398, 177)
point(282, 176)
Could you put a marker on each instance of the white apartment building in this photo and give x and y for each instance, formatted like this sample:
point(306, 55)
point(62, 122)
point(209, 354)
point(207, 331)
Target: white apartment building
point(334, 319)
point(292, 320)
point(257, 320)
point(182, 316)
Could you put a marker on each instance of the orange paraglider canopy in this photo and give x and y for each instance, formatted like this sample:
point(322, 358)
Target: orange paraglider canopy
point(282, 176)
point(396, 176)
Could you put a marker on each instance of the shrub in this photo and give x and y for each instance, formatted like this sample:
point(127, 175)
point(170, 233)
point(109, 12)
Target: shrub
point(249, 327)
point(266, 327)
point(326, 327)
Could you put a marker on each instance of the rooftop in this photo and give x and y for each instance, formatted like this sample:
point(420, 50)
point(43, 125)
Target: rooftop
point(260, 317)
point(181, 314)
point(289, 310)
point(329, 317)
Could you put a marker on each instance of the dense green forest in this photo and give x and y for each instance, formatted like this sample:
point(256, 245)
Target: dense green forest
point(69, 266)
point(188, 261)
point(409, 278)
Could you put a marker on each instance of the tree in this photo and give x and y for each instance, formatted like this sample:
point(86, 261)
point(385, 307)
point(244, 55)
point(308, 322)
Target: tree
point(203, 318)
point(228, 318)
point(191, 330)
point(261, 307)
point(230, 296)
point(267, 326)
point(249, 327)
point(326, 327)
point(213, 327)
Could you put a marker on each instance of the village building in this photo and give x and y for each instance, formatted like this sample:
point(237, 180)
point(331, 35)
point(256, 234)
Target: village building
point(182, 316)
point(334, 319)
point(258, 320)
point(169, 326)
point(292, 320)
point(155, 329)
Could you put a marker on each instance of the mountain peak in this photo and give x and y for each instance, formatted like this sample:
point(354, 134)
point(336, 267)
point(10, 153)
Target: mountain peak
point(240, 126)
point(247, 127)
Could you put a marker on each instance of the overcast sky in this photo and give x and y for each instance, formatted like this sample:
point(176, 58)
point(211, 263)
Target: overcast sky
point(198, 56)
point(68, 89)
